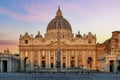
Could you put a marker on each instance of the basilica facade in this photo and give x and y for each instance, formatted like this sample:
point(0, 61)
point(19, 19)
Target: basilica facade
point(60, 50)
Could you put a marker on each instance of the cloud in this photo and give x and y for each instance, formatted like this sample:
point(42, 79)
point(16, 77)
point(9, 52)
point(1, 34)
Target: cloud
point(8, 43)
point(8, 34)
point(33, 14)
point(41, 12)
point(2, 35)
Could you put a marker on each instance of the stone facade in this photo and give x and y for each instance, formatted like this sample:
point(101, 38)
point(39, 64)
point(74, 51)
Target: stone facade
point(79, 51)
point(111, 57)
point(41, 52)
point(8, 62)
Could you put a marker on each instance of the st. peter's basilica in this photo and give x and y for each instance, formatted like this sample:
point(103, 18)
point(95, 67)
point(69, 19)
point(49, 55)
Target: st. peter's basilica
point(61, 50)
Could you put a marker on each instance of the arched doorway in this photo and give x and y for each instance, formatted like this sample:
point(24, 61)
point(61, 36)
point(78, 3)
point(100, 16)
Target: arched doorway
point(89, 61)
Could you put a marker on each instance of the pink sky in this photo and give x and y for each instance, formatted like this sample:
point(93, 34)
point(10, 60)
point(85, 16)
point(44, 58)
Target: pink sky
point(100, 17)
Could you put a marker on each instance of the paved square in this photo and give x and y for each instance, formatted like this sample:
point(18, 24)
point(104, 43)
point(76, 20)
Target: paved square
point(59, 76)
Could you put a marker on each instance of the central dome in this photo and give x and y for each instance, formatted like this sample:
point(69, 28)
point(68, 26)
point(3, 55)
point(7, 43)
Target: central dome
point(59, 23)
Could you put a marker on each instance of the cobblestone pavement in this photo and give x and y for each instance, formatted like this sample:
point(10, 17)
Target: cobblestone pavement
point(59, 76)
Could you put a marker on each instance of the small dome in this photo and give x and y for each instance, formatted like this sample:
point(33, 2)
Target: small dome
point(59, 22)
point(38, 35)
point(78, 35)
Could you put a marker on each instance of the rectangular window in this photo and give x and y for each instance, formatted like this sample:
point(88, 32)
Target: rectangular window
point(26, 41)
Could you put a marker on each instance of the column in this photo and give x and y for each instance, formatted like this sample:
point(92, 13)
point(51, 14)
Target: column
point(44, 54)
point(76, 58)
point(84, 59)
point(40, 52)
point(54, 59)
point(79, 59)
point(39, 58)
point(10, 66)
point(31, 61)
point(66, 59)
point(1, 66)
point(69, 58)
point(61, 59)
point(49, 59)
point(107, 68)
point(21, 61)
point(115, 65)
point(94, 65)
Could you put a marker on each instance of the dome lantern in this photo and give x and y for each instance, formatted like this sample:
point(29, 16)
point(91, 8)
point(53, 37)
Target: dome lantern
point(59, 12)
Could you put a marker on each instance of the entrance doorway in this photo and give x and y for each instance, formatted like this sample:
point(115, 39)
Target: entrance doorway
point(25, 59)
point(43, 64)
point(89, 61)
point(111, 66)
point(72, 64)
point(64, 65)
point(118, 66)
point(52, 65)
point(5, 66)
